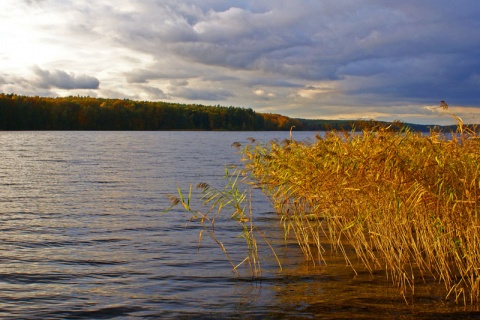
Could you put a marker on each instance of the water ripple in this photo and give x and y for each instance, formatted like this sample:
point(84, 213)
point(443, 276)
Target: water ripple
point(82, 234)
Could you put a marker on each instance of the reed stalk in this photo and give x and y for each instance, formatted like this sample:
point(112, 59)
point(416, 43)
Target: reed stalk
point(214, 202)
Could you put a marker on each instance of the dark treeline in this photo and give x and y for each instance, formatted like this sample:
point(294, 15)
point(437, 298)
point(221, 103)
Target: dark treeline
point(85, 113)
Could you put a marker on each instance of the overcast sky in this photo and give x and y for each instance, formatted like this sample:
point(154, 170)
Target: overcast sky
point(329, 59)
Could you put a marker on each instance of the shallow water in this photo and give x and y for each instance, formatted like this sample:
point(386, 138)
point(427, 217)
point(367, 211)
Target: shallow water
point(82, 235)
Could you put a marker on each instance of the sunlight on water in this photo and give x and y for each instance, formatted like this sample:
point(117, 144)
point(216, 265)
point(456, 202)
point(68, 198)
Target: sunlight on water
point(82, 236)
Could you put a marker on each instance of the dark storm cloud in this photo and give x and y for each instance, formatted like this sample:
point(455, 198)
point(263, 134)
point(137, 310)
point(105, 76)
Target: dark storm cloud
point(446, 76)
point(399, 49)
point(62, 80)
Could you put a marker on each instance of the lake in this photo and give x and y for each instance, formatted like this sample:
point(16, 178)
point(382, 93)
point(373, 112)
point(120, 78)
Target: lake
point(83, 236)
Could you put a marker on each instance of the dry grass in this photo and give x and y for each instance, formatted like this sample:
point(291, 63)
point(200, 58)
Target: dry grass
point(408, 203)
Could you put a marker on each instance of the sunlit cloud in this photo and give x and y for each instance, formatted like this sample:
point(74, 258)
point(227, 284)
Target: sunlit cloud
point(262, 94)
point(322, 88)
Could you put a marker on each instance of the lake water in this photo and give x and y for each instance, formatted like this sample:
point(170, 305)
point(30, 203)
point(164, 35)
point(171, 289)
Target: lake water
point(82, 235)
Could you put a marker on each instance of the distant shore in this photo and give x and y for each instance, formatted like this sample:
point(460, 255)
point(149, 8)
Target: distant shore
point(19, 112)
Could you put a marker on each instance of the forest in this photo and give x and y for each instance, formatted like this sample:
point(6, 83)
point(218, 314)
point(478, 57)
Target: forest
point(18, 112)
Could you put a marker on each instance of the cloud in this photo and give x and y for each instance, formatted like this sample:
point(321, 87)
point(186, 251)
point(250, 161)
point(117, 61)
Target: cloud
point(314, 41)
point(33, 2)
point(181, 90)
point(304, 58)
point(153, 93)
point(141, 76)
point(158, 71)
point(419, 78)
point(273, 82)
point(62, 80)
point(202, 94)
point(115, 94)
point(20, 85)
point(321, 88)
point(262, 94)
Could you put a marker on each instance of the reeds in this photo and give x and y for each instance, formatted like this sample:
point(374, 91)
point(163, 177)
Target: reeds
point(408, 203)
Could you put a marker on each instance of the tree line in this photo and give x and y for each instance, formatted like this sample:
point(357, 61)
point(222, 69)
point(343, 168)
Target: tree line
point(19, 112)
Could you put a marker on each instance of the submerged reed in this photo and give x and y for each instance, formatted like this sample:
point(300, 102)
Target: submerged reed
point(233, 199)
point(408, 203)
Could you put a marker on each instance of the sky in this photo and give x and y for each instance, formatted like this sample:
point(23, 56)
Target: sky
point(318, 59)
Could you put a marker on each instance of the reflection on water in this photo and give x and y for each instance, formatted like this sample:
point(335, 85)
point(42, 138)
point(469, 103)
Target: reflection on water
point(82, 236)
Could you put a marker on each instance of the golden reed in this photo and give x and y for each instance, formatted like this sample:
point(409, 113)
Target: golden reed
point(407, 202)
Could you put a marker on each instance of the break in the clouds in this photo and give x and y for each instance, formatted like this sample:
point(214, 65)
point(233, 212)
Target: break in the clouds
point(312, 58)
